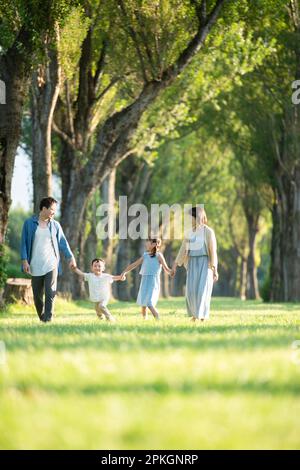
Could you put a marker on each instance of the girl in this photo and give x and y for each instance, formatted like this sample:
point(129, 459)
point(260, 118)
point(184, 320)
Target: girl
point(152, 261)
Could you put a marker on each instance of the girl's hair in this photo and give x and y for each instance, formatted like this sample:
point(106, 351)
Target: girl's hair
point(155, 249)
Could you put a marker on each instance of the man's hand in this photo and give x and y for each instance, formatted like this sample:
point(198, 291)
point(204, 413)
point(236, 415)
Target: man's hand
point(72, 264)
point(26, 266)
point(173, 271)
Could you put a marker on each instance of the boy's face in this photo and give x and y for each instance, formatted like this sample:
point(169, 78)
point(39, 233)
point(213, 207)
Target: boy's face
point(98, 267)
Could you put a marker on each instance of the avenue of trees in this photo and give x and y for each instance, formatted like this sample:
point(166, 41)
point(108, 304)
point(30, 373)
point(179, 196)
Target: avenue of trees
point(165, 101)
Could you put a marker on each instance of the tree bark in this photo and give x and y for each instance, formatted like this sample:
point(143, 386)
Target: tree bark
point(252, 282)
point(243, 278)
point(44, 94)
point(15, 73)
point(285, 251)
point(108, 197)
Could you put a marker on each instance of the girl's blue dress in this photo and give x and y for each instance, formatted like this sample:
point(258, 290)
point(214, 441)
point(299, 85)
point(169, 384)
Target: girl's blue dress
point(150, 284)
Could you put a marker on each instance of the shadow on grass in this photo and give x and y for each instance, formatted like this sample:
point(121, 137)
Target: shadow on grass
point(164, 387)
point(111, 337)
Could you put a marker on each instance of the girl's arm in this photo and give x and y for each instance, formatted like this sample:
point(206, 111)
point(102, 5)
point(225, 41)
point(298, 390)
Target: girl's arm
point(132, 266)
point(121, 277)
point(77, 271)
point(162, 261)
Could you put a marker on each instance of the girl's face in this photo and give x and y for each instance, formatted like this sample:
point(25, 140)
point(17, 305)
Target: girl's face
point(150, 245)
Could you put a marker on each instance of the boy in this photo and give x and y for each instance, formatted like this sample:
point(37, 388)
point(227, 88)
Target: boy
point(99, 287)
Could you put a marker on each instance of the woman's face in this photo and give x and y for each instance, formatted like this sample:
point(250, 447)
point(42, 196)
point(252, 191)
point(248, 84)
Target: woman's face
point(198, 220)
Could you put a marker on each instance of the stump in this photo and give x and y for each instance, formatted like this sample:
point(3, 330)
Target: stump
point(18, 289)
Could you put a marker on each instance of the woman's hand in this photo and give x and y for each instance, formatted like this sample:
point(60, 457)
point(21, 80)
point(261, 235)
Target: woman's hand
point(173, 270)
point(215, 275)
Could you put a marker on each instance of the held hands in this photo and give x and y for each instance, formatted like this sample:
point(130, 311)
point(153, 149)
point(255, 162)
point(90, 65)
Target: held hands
point(173, 271)
point(123, 276)
point(72, 264)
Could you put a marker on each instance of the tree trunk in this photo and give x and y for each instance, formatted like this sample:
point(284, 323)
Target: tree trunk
point(44, 94)
point(128, 250)
point(14, 72)
point(108, 197)
point(179, 282)
point(243, 278)
point(122, 289)
point(165, 276)
point(285, 251)
point(18, 290)
point(252, 284)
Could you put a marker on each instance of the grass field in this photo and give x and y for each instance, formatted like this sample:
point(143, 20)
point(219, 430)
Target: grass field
point(81, 383)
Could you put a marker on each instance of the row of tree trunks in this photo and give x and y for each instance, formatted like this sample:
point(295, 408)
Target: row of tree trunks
point(112, 141)
point(285, 250)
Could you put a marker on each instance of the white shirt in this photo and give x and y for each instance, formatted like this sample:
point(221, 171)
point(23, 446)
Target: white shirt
point(43, 259)
point(197, 238)
point(99, 286)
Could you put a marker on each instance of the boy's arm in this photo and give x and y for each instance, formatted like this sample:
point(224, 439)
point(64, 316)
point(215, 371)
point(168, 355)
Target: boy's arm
point(132, 266)
point(77, 271)
point(162, 261)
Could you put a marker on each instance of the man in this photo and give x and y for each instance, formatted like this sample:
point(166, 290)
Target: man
point(42, 240)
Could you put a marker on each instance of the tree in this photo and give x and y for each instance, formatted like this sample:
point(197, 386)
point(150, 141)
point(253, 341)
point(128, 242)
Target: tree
point(153, 45)
point(24, 25)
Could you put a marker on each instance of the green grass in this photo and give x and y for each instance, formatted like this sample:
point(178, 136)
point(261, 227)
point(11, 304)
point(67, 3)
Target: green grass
point(81, 383)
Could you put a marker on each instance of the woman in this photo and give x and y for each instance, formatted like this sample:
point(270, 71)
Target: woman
point(198, 253)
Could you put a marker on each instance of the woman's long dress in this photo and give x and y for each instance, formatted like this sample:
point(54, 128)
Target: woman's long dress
point(199, 283)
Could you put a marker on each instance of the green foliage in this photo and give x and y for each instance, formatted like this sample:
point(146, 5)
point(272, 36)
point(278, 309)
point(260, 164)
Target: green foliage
point(72, 35)
point(3, 265)
point(38, 18)
point(15, 223)
point(265, 290)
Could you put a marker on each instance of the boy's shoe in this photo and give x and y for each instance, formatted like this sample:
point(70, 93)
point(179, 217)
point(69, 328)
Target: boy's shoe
point(111, 319)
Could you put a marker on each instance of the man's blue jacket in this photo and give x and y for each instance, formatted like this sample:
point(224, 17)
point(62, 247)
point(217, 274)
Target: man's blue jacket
point(28, 234)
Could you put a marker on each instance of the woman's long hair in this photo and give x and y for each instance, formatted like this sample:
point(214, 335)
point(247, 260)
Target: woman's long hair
point(156, 247)
point(199, 215)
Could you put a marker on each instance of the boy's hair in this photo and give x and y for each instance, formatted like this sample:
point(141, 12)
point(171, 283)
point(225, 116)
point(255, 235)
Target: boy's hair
point(47, 202)
point(97, 259)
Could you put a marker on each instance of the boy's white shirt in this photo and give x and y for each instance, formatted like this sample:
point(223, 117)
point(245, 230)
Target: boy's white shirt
point(99, 286)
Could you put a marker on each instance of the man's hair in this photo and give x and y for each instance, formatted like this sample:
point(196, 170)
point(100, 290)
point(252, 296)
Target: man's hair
point(47, 202)
point(97, 259)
